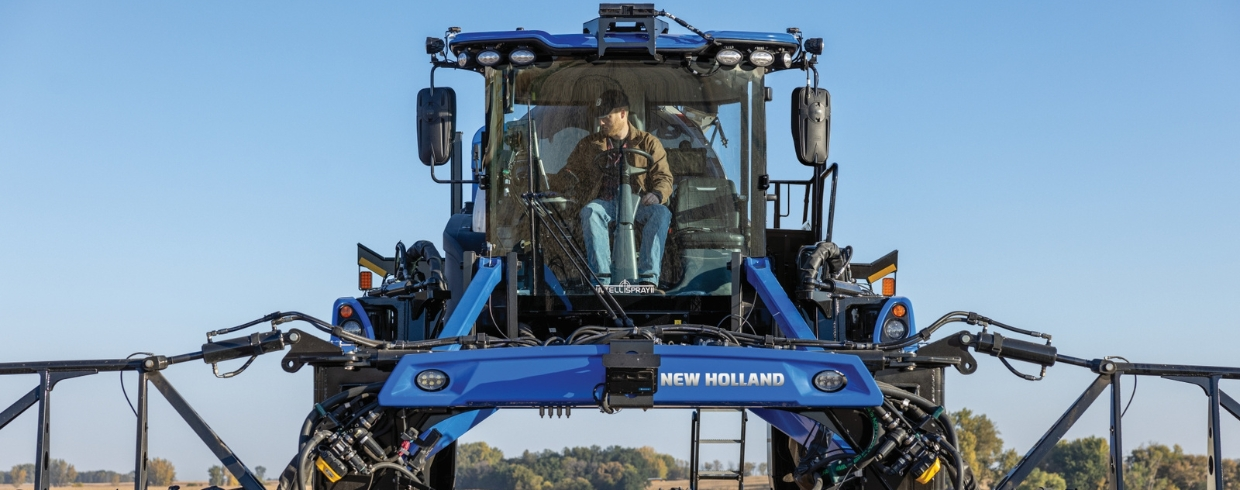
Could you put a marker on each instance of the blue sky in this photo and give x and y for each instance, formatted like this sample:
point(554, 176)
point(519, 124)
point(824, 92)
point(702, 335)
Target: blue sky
point(172, 168)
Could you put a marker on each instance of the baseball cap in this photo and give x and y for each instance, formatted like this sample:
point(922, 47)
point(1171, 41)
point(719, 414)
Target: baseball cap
point(611, 100)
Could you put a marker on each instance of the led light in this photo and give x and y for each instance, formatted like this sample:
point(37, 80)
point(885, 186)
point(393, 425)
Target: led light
point(894, 329)
point(830, 381)
point(346, 311)
point(899, 310)
point(787, 60)
point(521, 57)
point(488, 58)
point(431, 380)
point(761, 58)
point(462, 60)
point(365, 280)
point(352, 327)
point(729, 57)
point(889, 286)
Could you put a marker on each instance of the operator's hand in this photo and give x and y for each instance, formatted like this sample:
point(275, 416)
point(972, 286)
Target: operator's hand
point(650, 198)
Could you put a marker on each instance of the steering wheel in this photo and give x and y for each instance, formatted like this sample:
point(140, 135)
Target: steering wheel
point(631, 169)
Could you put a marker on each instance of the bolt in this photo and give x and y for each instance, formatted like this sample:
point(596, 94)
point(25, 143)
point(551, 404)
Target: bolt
point(294, 337)
point(966, 338)
point(148, 364)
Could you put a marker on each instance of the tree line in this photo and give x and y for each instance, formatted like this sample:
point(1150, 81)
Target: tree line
point(581, 468)
point(1084, 463)
point(62, 474)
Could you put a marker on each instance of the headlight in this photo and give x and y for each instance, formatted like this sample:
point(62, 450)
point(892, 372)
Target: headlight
point(521, 57)
point(462, 60)
point(761, 58)
point(786, 58)
point(729, 57)
point(830, 381)
point(352, 326)
point(894, 329)
point(488, 58)
point(431, 380)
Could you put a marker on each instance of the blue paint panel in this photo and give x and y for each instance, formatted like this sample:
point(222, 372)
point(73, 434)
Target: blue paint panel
point(800, 428)
point(475, 298)
point(554, 283)
point(367, 330)
point(588, 41)
point(568, 375)
point(454, 427)
point(789, 319)
point(885, 313)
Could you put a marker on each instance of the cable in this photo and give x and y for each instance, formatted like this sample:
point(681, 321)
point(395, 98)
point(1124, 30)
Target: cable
point(148, 354)
point(1135, 378)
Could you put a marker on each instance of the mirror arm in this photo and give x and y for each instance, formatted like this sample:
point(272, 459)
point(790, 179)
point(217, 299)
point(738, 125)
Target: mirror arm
point(449, 181)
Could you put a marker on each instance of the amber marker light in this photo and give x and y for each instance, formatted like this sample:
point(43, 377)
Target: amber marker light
point(898, 310)
point(889, 286)
point(346, 311)
point(364, 280)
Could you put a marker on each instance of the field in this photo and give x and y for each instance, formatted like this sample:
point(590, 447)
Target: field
point(751, 483)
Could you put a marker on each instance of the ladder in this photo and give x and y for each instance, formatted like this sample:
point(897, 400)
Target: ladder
point(695, 453)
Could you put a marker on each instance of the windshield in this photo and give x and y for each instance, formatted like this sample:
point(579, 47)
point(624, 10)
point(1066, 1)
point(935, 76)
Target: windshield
point(627, 175)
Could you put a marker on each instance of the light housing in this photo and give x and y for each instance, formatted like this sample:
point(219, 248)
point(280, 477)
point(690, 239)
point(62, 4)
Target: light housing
point(434, 45)
point(895, 329)
point(814, 45)
point(830, 381)
point(462, 59)
point(365, 280)
point(431, 380)
point(521, 56)
point(729, 57)
point(786, 59)
point(761, 57)
point(346, 311)
point(899, 310)
point(352, 326)
point(489, 58)
point(889, 286)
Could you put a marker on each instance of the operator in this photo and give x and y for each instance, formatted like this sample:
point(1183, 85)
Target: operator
point(598, 179)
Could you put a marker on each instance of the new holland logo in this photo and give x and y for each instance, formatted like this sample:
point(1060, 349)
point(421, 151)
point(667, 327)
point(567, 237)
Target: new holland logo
point(721, 379)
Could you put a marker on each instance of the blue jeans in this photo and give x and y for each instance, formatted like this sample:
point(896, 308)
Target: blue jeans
point(654, 218)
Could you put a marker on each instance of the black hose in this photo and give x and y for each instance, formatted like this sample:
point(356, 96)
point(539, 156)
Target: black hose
point(944, 420)
point(303, 458)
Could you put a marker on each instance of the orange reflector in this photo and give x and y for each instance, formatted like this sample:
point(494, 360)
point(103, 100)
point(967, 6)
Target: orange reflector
point(346, 311)
point(899, 309)
point(889, 286)
point(364, 280)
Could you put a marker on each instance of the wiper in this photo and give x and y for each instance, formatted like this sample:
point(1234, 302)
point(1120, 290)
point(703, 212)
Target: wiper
point(718, 131)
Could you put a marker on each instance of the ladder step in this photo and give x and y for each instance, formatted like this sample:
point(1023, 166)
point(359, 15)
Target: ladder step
point(720, 441)
point(719, 475)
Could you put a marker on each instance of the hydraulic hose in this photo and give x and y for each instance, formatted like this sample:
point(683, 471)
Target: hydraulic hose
point(944, 420)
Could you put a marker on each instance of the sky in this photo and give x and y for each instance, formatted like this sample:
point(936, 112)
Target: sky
point(167, 169)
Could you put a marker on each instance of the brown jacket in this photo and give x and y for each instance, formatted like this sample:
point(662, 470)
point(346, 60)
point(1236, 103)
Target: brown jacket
point(589, 174)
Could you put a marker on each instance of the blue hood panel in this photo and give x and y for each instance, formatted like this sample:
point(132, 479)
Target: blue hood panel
point(688, 376)
point(587, 42)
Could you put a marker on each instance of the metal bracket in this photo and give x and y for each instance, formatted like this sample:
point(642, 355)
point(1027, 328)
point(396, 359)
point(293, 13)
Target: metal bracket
point(632, 373)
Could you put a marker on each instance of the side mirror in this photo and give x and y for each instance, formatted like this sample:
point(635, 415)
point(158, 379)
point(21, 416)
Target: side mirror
point(436, 124)
point(811, 124)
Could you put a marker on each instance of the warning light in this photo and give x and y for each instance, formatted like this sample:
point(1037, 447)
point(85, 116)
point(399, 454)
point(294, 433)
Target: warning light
point(889, 286)
point(897, 310)
point(346, 311)
point(364, 280)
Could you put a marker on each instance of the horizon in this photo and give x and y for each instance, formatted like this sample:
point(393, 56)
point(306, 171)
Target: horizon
point(171, 169)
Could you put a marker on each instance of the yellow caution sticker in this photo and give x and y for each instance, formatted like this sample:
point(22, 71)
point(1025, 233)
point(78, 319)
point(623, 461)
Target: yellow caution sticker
point(924, 477)
point(331, 474)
